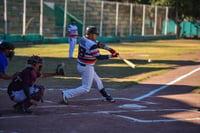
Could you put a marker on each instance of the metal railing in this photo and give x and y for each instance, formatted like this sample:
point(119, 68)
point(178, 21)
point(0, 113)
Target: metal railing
point(50, 18)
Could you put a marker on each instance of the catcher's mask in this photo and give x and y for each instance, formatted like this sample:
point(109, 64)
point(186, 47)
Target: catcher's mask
point(35, 60)
point(7, 46)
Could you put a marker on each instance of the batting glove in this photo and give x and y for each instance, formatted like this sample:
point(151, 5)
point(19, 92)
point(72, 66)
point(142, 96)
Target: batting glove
point(115, 54)
point(112, 51)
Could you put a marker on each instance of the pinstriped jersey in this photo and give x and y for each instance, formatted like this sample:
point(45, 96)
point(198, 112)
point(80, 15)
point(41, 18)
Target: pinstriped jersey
point(73, 30)
point(88, 51)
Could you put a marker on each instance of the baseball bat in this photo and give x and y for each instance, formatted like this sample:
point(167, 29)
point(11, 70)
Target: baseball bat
point(128, 62)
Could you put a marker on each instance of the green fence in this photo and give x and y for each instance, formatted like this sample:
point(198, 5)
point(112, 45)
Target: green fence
point(190, 29)
point(45, 21)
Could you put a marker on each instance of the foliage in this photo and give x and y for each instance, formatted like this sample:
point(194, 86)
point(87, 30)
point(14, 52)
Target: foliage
point(133, 1)
point(185, 9)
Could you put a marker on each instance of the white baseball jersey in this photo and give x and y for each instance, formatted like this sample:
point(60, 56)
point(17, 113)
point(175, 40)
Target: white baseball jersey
point(88, 51)
point(73, 30)
point(87, 56)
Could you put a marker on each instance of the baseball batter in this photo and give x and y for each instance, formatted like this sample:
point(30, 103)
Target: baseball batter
point(87, 56)
point(23, 89)
point(72, 37)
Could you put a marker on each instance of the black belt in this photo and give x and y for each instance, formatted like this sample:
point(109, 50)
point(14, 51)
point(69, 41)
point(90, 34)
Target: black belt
point(81, 64)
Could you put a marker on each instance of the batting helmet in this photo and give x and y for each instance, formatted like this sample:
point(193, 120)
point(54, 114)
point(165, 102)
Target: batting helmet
point(34, 60)
point(91, 30)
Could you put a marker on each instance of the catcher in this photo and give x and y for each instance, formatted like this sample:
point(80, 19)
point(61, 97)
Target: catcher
point(23, 89)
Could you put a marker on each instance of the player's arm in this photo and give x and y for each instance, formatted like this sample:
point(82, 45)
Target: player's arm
point(59, 71)
point(69, 31)
point(96, 53)
point(5, 76)
point(103, 46)
point(45, 75)
point(25, 87)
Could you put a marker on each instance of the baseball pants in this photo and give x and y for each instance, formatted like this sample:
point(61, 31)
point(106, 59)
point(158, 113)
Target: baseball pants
point(72, 44)
point(19, 96)
point(89, 78)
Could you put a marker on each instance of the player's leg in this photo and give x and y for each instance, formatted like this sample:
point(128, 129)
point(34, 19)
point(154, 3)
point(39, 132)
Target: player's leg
point(99, 85)
point(20, 98)
point(87, 73)
point(72, 43)
point(74, 40)
point(22, 104)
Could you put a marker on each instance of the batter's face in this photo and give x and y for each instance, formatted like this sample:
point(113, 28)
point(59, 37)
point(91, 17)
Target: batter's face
point(92, 37)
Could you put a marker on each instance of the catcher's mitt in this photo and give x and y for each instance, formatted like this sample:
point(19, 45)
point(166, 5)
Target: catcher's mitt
point(60, 69)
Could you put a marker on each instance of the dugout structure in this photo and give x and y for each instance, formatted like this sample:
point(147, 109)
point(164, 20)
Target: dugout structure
point(45, 21)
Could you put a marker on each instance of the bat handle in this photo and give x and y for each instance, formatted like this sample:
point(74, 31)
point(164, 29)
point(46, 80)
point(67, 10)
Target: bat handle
point(120, 56)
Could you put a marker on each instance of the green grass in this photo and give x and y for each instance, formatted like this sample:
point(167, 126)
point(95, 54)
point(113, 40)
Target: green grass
point(166, 55)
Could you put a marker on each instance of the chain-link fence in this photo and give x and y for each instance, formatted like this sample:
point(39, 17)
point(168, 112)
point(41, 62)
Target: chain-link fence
point(49, 18)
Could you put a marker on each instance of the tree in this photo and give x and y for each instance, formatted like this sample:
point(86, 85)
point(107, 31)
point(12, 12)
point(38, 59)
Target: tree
point(185, 10)
point(133, 1)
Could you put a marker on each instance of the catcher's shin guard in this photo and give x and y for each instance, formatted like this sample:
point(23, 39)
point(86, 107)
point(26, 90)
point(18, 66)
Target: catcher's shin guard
point(38, 96)
point(22, 107)
point(107, 96)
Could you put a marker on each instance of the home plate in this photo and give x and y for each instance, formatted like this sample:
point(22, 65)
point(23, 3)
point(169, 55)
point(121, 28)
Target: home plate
point(131, 106)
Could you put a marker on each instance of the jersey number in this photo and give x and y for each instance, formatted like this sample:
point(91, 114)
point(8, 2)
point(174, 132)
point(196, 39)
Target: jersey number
point(81, 51)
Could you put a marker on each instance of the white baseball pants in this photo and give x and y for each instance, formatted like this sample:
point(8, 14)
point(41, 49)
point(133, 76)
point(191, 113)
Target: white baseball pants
point(19, 96)
point(72, 44)
point(89, 78)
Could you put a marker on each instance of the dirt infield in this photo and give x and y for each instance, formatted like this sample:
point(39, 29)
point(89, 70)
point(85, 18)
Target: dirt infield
point(172, 109)
point(161, 104)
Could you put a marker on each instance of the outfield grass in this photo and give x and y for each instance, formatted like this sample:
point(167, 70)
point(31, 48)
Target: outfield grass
point(166, 55)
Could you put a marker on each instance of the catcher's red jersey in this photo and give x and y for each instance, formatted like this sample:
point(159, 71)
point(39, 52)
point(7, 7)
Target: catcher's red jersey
point(28, 76)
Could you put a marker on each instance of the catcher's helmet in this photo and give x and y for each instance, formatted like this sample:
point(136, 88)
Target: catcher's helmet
point(34, 60)
point(6, 45)
point(91, 30)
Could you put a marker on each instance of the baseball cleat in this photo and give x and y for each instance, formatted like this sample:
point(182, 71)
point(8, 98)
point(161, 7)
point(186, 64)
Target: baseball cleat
point(18, 107)
point(27, 111)
point(21, 109)
point(109, 99)
point(65, 100)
